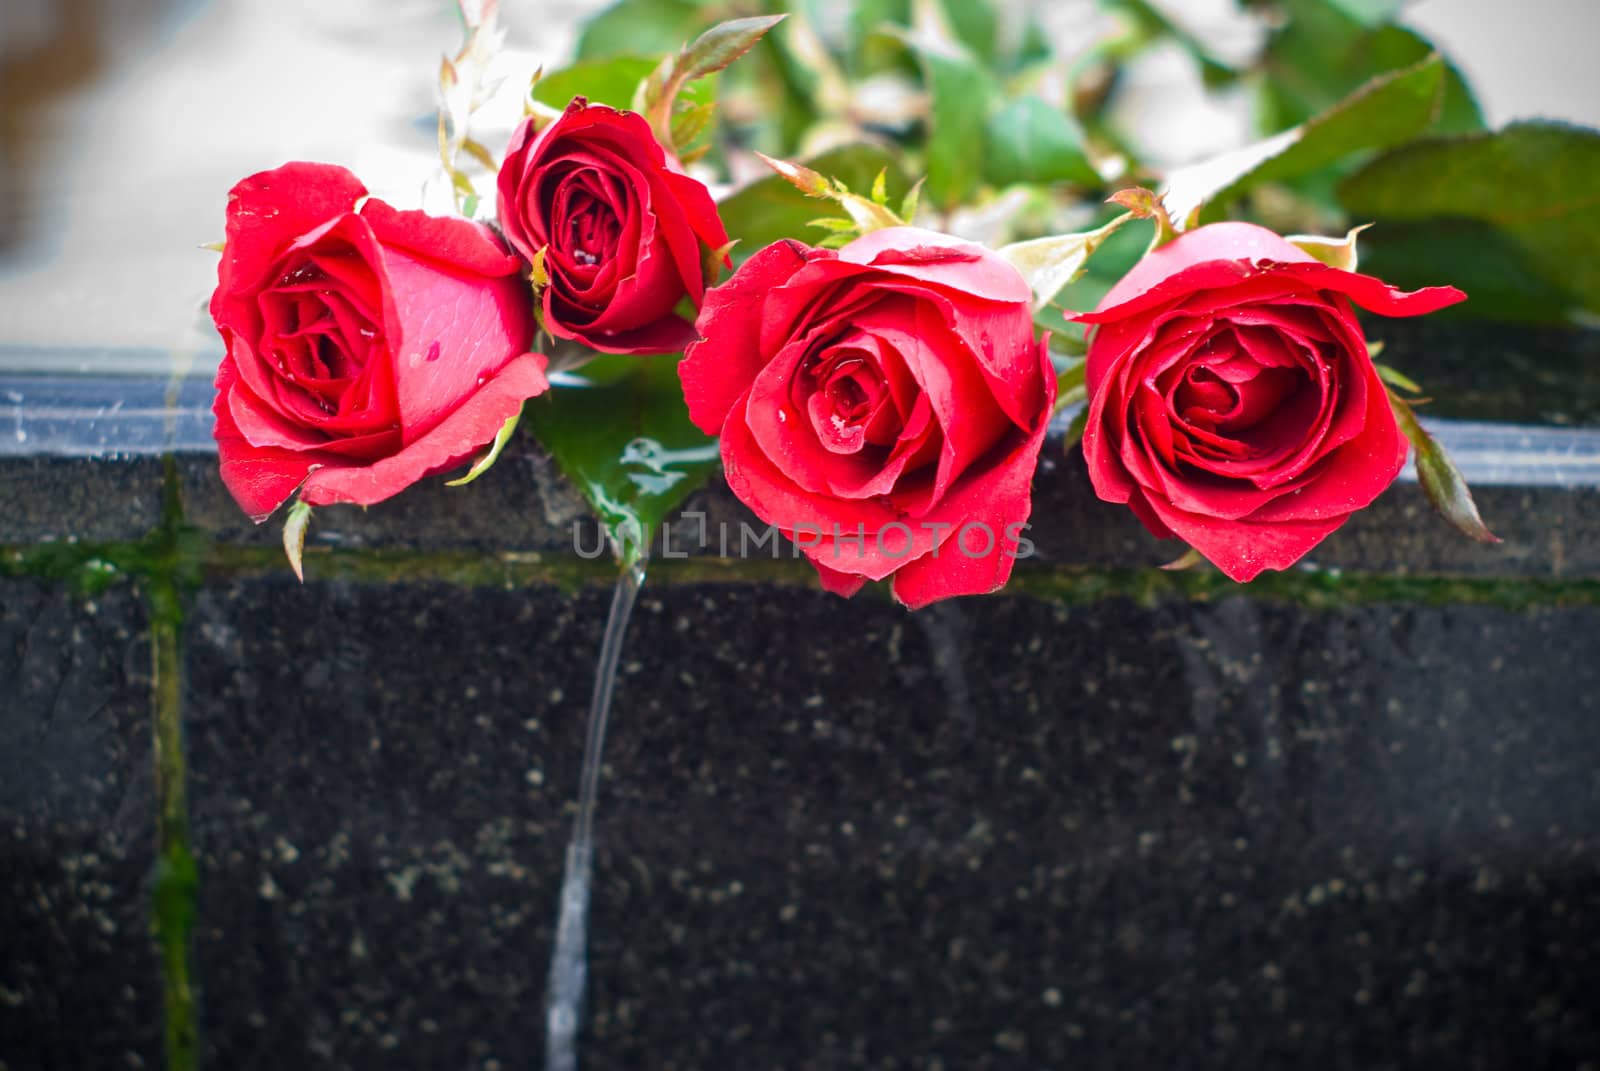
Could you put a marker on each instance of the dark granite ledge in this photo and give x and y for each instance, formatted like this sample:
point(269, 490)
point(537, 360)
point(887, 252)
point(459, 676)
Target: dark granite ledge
point(83, 465)
point(523, 505)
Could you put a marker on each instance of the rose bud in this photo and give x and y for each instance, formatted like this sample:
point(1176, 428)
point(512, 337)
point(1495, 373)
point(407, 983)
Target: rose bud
point(367, 347)
point(620, 226)
point(883, 406)
point(1232, 400)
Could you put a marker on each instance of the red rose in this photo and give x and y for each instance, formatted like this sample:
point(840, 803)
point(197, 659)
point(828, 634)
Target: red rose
point(620, 224)
point(883, 406)
point(366, 347)
point(1232, 401)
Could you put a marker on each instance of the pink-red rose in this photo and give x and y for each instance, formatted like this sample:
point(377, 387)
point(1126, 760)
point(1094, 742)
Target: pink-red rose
point(1232, 400)
point(623, 232)
point(883, 406)
point(367, 347)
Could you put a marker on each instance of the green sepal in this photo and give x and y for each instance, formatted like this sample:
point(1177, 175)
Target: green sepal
point(1334, 252)
point(1052, 263)
point(481, 466)
point(294, 536)
point(1395, 378)
point(1185, 561)
point(1441, 480)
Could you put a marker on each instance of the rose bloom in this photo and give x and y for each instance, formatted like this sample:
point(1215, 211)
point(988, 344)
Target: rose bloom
point(1232, 401)
point(883, 406)
point(621, 226)
point(367, 347)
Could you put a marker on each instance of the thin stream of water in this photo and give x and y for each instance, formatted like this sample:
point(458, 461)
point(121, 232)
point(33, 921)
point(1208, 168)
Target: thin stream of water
point(569, 965)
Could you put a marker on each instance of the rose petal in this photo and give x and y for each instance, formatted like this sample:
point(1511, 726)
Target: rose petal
point(446, 240)
point(465, 431)
point(270, 209)
point(1213, 242)
point(946, 261)
point(670, 334)
point(455, 332)
point(950, 379)
point(1000, 498)
point(1352, 476)
point(1001, 339)
point(1243, 549)
point(717, 370)
point(259, 478)
point(836, 582)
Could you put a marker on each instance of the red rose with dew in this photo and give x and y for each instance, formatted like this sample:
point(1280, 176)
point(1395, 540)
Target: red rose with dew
point(619, 233)
point(883, 406)
point(1232, 399)
point(367, 347)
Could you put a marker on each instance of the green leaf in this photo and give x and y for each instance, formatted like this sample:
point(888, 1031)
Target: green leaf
point(1322, 53)
point(641, 27)
point(1369, 12)
point(481, 466)
point(613, 81)
point(1066, 339)
point(626, 443)
point(1074, 433)
point(603, 81)
point(960, 93)
point(1070, 388)
point(1151, 22)
point(722, 44)
point(1472, 255)
point(1029, 141)
point(1390, 109)
point(1532, 183)
point(707, 54)
point(771, 209)
point(1441, 480)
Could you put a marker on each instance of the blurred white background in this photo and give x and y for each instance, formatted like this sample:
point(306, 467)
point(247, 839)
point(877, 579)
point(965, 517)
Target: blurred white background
point(124, 122)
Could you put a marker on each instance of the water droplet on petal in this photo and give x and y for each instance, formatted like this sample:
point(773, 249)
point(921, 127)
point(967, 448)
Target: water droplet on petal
point(433, 350)
point(783, 416)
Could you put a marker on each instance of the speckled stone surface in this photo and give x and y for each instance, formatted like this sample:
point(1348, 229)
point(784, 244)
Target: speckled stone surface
point(61, 499)
point(1545, 531)
point(521, 503)
point(79, 986)
point(1003, 834)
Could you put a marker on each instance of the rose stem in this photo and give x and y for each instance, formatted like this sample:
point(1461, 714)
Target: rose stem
point(568, 960)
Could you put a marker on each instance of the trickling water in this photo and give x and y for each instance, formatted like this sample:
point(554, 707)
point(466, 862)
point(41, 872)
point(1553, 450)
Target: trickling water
point(569, 963)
